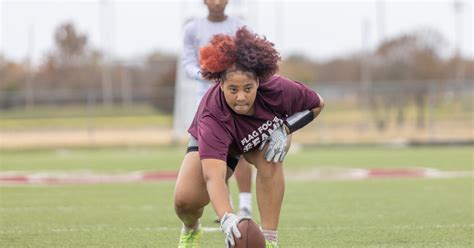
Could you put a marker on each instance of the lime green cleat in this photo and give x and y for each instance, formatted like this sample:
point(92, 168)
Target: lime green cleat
point(190, 239)
point(271, 244)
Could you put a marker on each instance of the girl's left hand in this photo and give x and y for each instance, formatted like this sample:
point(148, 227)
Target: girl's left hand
point(277, 143)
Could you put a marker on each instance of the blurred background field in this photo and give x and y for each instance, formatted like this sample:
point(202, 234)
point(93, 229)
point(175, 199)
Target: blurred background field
point(96, 86)
point(342, 123)
point(71, 75)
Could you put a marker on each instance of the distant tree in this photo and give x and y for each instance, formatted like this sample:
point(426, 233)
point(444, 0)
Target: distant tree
point(71, 46)
point(71, 64)
point(469, 69)
point(341, 69)
point(12, 78)
point(408, 58)
point(411, 56)
point(161, 74)
point(298, 67)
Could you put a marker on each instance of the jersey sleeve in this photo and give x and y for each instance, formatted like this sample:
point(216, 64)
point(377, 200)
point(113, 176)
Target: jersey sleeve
point(213, 140)
point(300, 97)
point(189, 57)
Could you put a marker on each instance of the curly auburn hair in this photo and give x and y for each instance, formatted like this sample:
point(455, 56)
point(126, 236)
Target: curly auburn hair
point(245, 51)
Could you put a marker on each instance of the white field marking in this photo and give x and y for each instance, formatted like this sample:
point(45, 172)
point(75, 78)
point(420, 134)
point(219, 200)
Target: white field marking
point(433, 173)
point(211, 229)
point(108, 228)
point(79, 177)
point(320, 174)
point(342, 174)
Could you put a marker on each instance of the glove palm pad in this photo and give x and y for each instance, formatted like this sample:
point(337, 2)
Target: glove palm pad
point(277, 143)
point(229, 224)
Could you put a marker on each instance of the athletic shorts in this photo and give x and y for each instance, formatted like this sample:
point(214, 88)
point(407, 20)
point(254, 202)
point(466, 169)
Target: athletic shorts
point(232, 160)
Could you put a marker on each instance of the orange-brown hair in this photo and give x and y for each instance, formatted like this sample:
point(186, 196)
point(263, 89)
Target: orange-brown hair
point(245, 51)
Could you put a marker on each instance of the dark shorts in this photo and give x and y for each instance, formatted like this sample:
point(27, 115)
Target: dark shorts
point(232, 160)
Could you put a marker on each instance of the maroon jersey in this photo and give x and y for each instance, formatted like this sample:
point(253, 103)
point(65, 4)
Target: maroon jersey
point(220, 131)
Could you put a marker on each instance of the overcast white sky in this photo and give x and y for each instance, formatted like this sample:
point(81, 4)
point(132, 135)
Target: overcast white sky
point(319, 29)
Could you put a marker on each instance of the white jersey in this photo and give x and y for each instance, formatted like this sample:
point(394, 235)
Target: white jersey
point(198, 33)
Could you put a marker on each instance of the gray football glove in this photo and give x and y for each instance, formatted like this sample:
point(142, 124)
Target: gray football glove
point(277, 143)
point(229, 224)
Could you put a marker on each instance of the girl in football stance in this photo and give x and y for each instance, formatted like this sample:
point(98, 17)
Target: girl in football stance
point(249, 112)
point(197, 33)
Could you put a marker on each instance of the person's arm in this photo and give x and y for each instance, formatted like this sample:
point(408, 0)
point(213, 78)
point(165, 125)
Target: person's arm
point(189, 60)
point(214, 172)
point(317, 111)
point(303, 118)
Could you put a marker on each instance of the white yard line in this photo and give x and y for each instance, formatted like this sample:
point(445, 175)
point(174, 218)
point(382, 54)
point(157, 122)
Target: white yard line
point(43, 229)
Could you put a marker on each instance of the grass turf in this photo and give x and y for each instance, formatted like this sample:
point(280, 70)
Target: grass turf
point(373, 213)
point(368, 213)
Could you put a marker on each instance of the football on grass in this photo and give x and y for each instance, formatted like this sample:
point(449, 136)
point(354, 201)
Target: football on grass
point(252, 236)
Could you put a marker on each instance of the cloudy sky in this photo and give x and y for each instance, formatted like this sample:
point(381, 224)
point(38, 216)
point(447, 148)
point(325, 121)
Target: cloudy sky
point(319, 29)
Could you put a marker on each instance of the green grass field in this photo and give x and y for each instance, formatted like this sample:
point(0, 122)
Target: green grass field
point(410, 212)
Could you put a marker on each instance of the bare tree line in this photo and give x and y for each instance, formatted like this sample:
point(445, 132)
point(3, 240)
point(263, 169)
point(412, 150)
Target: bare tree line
point(400, 71)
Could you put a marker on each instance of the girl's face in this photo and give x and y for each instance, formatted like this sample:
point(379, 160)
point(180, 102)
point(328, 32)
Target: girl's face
point(240, 90)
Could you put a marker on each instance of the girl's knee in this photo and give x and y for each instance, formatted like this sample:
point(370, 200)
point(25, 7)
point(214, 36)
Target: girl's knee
point(186, 203)
point(269, 169)
point(182, 204)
